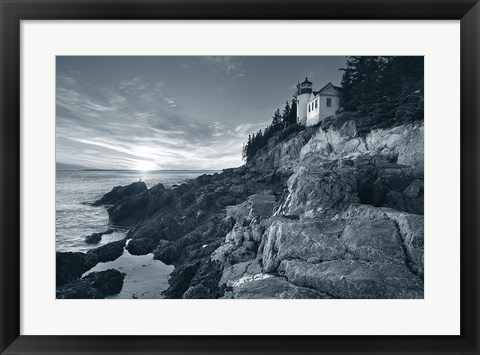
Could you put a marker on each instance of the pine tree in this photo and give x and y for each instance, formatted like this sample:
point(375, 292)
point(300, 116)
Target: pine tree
point(286, 114)
point(292, 119)
point(280, 122)
point(277, 119)
point(383, 90)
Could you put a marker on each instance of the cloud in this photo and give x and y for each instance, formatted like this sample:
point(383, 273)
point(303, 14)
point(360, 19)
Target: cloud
point(230, 66)
point(133, 84)
point(138, 126)
point(137, 121)
point(66, 79)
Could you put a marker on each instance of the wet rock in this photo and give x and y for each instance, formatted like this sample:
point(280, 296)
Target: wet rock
point(205, 283)
point(168, 255)
point(187, 199)
point(119, 192)
point(180, 279)
point(78, 289)
point(107, 252)
point(94, 285)
point(129, 210)
point(140, 246)
point(197, 292)
point(69, 266)
point(93, 238)
point(108, 282)
point(158, 198)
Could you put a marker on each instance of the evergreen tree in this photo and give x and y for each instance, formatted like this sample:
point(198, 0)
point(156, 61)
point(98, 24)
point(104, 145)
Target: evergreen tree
point(277, 119)
point(292, 118)
point(286, 114)
point(280, 122)
point(383, 90)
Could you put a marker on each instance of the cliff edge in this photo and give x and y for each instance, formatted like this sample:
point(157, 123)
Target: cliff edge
point(327, 212)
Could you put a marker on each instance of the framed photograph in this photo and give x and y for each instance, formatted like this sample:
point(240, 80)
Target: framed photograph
point(239, 177)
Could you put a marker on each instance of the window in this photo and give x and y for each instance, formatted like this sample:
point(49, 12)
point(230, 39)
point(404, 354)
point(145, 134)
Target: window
point(329, 102)
point(316, 103)
point(308, 107)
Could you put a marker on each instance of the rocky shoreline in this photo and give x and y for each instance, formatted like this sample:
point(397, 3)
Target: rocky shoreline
point(327, 212)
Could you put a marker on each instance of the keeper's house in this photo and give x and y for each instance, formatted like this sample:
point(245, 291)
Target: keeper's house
point(314, 106)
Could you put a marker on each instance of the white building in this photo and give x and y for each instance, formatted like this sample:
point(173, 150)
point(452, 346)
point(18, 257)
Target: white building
point(314, 106)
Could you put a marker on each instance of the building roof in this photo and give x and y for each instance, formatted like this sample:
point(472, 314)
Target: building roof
point(329, 87)
point(306, 81)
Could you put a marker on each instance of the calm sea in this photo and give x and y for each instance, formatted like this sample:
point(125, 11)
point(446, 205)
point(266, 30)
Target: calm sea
point(75, 189)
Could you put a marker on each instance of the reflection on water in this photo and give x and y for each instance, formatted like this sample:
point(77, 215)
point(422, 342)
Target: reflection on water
point(145, 277)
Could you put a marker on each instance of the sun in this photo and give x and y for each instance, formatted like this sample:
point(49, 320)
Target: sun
point(144, 166)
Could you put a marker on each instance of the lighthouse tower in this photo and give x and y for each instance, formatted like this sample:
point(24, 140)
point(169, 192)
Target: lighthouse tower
point(304, 94)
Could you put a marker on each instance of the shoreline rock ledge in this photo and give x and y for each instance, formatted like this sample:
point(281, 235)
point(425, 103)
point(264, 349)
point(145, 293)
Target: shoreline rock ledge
point(325, 212)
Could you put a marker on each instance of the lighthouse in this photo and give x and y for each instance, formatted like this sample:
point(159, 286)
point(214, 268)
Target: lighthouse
point(314, 106)
point(304, 94)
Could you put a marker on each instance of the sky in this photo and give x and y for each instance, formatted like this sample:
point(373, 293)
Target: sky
point(173, 113)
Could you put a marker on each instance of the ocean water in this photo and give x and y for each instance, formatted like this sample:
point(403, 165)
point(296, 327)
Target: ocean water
point(76, 189)
point(145, 277)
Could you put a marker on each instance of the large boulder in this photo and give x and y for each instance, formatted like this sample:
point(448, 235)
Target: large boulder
point(257, 206)
point(107, 252)
point(108, 282)
point(167, 254)
point(309, 240)
point(205, 283)
point(376, 240)
point(119, 192)
point(94, 285)
point(274, 288)
point(405, 141)
point(318, 187)
point(78, 289)
point(233, 273)
point(354, 278)
point(242, 242)
point(93, 238)
point(129, 210)
point(410, 228)
point(69, 266)
point(140, 246)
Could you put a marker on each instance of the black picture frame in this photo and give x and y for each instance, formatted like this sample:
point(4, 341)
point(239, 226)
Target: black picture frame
point(13, 11)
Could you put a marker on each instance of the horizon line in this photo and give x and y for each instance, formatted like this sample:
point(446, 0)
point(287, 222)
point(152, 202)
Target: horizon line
point(94, 169)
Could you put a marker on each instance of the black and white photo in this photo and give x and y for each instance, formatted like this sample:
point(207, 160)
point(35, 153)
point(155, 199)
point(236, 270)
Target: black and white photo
point(240, 177)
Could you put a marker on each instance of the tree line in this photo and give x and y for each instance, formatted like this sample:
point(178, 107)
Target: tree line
point(383, 90)
point(280, 121)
